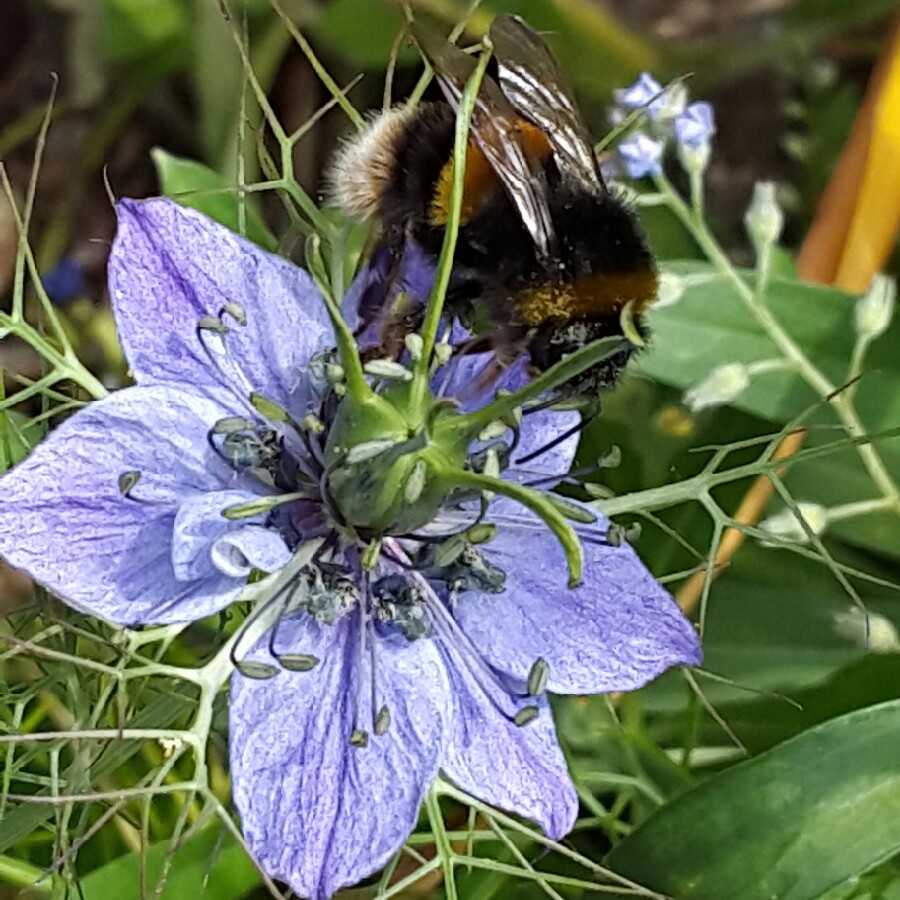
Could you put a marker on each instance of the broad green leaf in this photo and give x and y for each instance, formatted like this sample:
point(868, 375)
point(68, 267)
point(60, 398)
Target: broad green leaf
point(210, 865)
point(792, 823)
point(193, 184)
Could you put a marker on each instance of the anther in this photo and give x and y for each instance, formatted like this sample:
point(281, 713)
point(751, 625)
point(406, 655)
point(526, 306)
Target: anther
point(414, 346)
point(128, 480)
point(334, 373)
point(273, 411)
point(297, 662)
point(387, 369)
point(525, 715)
point(212, 323)
point(232, 424)
point(236, 311)
point(415, 484)
point(359, 738)
point(382, 721)
point(312, 424)
point(538, 677)
point(255, 670)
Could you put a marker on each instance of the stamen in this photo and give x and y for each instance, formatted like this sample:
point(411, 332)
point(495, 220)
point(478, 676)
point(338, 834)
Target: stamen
point(444, 624)
point(359, 737)
point(387, 369)
point(128, 480)
point(537, 677)
point(236, 311)
point(382, 721)
point(251, 668)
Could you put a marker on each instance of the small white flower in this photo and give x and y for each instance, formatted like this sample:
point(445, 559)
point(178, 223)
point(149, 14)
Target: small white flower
point(868, 630)
point(724, 384)
point(786, 526)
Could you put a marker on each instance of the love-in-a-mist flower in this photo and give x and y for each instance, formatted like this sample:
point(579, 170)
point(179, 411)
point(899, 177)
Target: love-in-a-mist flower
point(414, 630)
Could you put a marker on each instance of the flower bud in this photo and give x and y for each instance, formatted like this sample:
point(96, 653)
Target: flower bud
point(694, 158)
point(724, 384)
point(787, 527)
point(875, 308)
point(868, 630)
point(764, 219)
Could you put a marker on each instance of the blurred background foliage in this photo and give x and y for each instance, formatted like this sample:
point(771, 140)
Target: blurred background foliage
point(153, 97)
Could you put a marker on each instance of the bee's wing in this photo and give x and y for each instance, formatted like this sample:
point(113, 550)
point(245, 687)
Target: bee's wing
point(495, 128)
point(531, 80)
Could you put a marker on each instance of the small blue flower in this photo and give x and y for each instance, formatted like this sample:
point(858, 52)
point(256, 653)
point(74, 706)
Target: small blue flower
point(641, 155)
point(417, 664)
point(695, 127)
point(646, 92)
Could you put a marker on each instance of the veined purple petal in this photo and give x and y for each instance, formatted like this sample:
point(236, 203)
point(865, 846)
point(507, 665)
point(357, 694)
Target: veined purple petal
point(250, 547)
point(206, 543)
point(171, 266)
point(517, 768)
point(615, 632)
point(317, 812)
point(65, 521)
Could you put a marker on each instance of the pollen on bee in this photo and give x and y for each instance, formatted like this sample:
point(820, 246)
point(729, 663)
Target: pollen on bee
point(587, 298)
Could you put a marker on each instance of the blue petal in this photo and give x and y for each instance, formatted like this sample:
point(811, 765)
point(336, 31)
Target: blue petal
point(519, 769)
point(64, 520)
point(317, 812)
point(239, 552)
point(205, 543)
point(170, 266)
point(615, 632)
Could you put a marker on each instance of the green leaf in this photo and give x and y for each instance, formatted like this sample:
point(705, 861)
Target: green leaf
point(791, 824)
point(193, 184)
point(136, 28)
point(209, 865)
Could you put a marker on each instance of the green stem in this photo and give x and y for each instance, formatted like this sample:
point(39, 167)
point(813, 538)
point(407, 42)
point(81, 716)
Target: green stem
point(559, 374)
point(19, 873)
point(435, 309)
point(540, 505)
point(357, 386)
point(442, 842)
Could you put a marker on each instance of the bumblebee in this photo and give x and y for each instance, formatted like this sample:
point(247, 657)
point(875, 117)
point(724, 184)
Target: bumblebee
point(546, 257)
